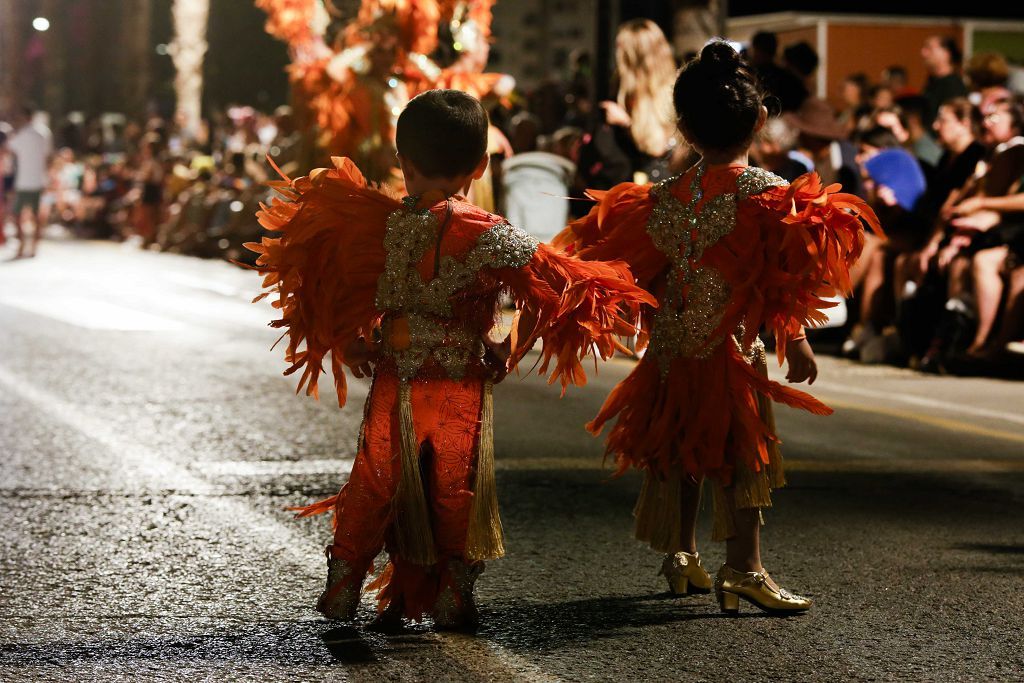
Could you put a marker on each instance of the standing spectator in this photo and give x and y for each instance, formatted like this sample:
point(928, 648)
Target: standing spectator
point(31, 146)
point(6, 178)
point(782, 83)
point(802, 61)
point(941, 56)
point(634, 137)
point(149, 180)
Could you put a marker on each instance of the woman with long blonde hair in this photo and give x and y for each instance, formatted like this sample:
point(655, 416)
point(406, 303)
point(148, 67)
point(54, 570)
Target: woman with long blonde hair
point(646, 71)
point(635, 138)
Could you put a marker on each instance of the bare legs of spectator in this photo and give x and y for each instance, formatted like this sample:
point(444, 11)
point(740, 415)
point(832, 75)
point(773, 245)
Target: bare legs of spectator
point(1012, 326)
point(987, 277)
point(19, 220)
point(873, 289)
point(859, 276)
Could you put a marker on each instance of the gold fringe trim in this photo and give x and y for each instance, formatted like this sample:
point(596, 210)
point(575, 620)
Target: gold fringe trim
point(412, 516)
point(658, 513)
point(484, 538)
point(750, 489)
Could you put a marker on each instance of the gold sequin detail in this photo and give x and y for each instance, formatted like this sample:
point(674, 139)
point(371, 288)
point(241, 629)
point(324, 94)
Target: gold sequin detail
point(402, 292)
point(695, 295)
point(755, 181)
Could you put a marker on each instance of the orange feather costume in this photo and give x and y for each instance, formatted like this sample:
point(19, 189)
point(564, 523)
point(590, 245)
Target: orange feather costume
point(727, 251)
point(424, 276)
point(354, 88)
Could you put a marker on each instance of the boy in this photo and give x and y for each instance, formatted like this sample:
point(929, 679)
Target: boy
point(407, 292)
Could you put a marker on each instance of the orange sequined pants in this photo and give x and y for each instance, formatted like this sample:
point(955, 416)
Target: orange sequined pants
point(446, 417)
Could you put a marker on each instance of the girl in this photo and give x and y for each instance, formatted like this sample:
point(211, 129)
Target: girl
point(727, 249)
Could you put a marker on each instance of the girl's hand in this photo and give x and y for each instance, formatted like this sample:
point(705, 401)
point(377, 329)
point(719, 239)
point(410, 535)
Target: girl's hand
point(802, 366)
point(360, 357)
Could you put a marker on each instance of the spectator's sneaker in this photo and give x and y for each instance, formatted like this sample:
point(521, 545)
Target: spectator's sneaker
point(1015, 347)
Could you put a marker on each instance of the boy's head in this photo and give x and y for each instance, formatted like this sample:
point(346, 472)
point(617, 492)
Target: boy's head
point(442, 134)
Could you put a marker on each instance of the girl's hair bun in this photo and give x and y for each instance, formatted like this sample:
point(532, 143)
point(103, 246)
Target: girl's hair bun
point(720, 56)
point(718, 98)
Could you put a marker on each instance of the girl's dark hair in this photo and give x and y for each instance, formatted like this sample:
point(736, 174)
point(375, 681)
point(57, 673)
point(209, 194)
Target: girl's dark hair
point(718, 98)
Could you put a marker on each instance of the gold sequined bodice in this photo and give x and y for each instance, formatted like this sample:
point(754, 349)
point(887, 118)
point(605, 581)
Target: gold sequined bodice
point(696, 295)
point(419, 325)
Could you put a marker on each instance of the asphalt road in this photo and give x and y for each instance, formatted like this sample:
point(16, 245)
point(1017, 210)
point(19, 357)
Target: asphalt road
point(149, 446)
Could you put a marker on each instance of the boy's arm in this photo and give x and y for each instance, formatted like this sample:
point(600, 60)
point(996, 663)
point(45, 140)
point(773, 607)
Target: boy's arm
point(576, 308)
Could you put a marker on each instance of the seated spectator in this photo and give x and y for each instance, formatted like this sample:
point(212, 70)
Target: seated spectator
point(973, 257)
point(855, 101)
point(824, 140)
point(774, 149)
point(987, 74)
point(920, 142)
point(894, 183)
point(895, 77)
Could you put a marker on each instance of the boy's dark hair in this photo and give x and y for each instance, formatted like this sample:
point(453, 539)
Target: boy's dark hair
point(443, 133)
point(718, 98)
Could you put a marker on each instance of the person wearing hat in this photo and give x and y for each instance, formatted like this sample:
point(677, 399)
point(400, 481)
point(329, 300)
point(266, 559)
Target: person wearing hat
point(823, 137)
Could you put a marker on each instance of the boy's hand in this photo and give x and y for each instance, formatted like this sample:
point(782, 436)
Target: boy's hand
point(802, 366)
point(496, 357)
point(360, 357)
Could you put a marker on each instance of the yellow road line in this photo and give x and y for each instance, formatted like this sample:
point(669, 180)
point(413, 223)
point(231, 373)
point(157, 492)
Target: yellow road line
point(941, 422)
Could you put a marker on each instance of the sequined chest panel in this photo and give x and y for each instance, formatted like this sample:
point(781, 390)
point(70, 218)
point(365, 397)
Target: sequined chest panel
point(695, 295)
point(425, 305)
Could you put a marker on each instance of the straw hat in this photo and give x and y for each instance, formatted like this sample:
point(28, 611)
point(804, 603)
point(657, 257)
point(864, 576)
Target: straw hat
point(815, 118)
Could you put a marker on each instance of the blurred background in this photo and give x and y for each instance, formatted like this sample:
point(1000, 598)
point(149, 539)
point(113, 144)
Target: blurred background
point(159, 116)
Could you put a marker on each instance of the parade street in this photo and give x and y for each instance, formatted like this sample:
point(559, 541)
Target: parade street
point(149, 448)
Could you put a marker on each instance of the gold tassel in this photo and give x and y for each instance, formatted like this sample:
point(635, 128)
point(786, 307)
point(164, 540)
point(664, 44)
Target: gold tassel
point(412, 516)
point(484, 536)
point(658, 513)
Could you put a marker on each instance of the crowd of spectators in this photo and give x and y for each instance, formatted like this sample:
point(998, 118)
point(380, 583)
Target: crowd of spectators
point(149, 182)
point(941, 162)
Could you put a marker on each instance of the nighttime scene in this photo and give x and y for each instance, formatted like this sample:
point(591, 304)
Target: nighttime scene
point(511, 340)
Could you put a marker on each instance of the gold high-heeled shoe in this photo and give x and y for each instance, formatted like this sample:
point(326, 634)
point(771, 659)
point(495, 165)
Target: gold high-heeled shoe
point(685, 574)
point(731, 585)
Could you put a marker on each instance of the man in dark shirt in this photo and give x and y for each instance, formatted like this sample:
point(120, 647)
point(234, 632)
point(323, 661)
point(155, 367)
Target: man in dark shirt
point(778, 81)
point(941, 57)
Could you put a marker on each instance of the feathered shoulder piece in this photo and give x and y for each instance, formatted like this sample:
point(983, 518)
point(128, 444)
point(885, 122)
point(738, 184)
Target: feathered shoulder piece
point(322, 264)
point(798, 243)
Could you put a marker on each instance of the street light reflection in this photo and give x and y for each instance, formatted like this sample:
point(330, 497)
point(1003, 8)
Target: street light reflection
point(41, 24)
